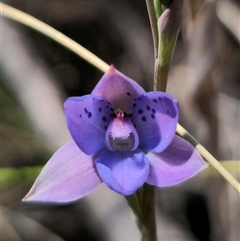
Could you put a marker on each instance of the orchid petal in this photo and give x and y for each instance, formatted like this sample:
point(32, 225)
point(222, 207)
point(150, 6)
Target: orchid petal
point(69, 175)
point(87, 119)
point(155, 115)
point(177, 163)
point(118, 89)
point(124, 172)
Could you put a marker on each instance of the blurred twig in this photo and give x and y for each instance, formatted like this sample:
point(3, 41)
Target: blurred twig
point(27, 229)
point(229, 14)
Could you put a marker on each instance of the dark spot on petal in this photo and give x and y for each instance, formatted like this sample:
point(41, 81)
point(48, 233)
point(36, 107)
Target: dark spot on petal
point(140, 111)
point(80, 116)
point(155, 100)
point(101, 100)
point(107, 106)
point(130, 115)
point(154, 111)
point(89, 114)
point(86, 111)
point(134, 105)
point(168, 112)
point(144, 118)
point(104, 118)
point(160, 98)
point(128, 93)
point(134, 125)
point(99, 109)
point(148, 107)
point(153, 116)
point(139, 98)
point(111, 109)
point(105, 127)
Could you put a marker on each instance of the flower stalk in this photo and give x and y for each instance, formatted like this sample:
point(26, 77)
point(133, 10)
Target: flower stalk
point(148, 206)
point(142, 204)
point(153, 24)
point(165, 20)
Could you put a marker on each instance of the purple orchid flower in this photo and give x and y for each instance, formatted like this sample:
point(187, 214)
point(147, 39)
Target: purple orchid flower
point(123, 137)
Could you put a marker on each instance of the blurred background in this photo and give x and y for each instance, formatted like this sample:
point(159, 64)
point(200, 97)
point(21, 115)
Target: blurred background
point(37, 75)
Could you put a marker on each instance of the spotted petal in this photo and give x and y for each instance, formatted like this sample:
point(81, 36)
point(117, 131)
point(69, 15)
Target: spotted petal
point(155, 115)
point(118, 89)
point(124, 172)
point(69, 175)
point(87, 120)
point(177, 163)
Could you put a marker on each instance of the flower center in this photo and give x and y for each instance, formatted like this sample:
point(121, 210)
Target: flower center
point(121, 134)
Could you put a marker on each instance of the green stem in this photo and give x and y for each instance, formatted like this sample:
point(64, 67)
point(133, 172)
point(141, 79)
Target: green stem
point(148, 209)
point(158, 8)
point(169, 25)
point(153, 24)
point(160, 76)
point(155, 9)
point(135, 205)
point(142, 204)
